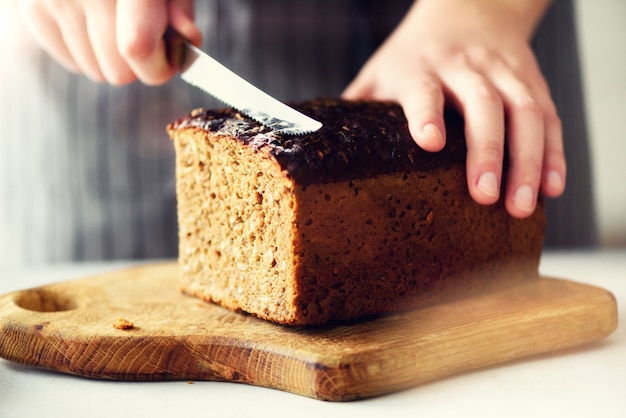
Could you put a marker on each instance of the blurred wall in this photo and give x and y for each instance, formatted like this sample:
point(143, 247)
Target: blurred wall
point(602, 39)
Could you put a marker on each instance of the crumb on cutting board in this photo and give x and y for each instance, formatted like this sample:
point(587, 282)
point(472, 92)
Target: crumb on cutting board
point(123, 324)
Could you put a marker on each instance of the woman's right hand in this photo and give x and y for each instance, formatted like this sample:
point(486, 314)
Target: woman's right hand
point(114, 41)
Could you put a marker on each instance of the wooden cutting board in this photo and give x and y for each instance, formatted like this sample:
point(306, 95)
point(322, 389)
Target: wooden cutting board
point(74, 327)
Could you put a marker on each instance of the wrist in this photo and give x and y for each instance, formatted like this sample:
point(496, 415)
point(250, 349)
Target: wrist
point(524, 15)
point(528, 12)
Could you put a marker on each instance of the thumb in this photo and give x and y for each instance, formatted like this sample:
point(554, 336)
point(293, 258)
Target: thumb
point(181, 18)
point(358, 89)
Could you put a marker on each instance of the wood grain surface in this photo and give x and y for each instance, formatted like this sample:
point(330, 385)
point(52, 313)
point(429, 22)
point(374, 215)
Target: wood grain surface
point(134, 324)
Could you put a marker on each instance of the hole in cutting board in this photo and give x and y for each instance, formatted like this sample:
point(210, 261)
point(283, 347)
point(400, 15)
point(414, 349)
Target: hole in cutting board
point(44, 300)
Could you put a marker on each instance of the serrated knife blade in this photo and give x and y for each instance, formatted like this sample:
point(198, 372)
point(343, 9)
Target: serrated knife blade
point(201, 70)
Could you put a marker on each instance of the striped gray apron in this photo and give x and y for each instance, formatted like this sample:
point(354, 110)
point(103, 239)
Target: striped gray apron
point(87, 170)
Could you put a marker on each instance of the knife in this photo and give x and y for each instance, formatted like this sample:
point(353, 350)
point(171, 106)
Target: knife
point(200, 70)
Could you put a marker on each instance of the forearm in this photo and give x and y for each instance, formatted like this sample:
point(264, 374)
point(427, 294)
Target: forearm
point(529, 12)
point(525, 15)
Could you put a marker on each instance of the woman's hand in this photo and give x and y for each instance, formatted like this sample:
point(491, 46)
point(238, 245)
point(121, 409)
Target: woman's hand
point(117, 41)
point(475, 54)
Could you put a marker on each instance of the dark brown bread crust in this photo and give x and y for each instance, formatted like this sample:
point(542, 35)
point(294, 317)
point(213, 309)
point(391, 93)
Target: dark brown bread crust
point(359, 139)
point(352, 221)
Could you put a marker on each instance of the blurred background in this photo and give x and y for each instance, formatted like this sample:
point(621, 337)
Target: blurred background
point(602, 41)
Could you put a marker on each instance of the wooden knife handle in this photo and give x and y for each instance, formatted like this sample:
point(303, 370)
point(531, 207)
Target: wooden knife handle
point(175, 46)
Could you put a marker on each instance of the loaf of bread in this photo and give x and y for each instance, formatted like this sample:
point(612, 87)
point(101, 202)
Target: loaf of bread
point(352, 221)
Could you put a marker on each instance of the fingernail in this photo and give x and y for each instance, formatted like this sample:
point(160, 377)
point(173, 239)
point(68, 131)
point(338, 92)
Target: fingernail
point(488, 184)
point(554, 180)
point(433, 130)
point(524, 198)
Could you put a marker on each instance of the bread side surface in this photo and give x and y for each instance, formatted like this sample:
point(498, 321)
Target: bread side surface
point(404, 241)
point(352, 221)
point(235, 214)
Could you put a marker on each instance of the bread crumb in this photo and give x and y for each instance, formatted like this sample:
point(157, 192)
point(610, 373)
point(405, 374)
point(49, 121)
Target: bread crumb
point(123, 324)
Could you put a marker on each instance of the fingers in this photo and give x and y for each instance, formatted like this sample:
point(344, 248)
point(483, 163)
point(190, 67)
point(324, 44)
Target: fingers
point(78, 37)
point(501, 108)
point(526, 150)
point(73, 25)
point(47, 33)
point(101, 21)
point(140, 28)
point(182, 19)
point(118, 42)
point(536, 161)
point(535, 143)
point(554, 166)
point(359, 88)
point(424, 102)
point(483, 111)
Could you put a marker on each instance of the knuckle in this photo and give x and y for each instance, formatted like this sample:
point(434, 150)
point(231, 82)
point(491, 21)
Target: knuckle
point(135, 45)
point(554, 152)
point(492, 150)
point(428, 85)
point(488, 154)
point(552, 118)
point(482, 57)
point(487, 93)
point(452, 55)
point(555, 158)
point(529, 168)
point(457, 55)
point(528, 104)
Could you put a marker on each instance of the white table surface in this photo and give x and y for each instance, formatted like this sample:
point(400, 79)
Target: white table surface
point(588, 381)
